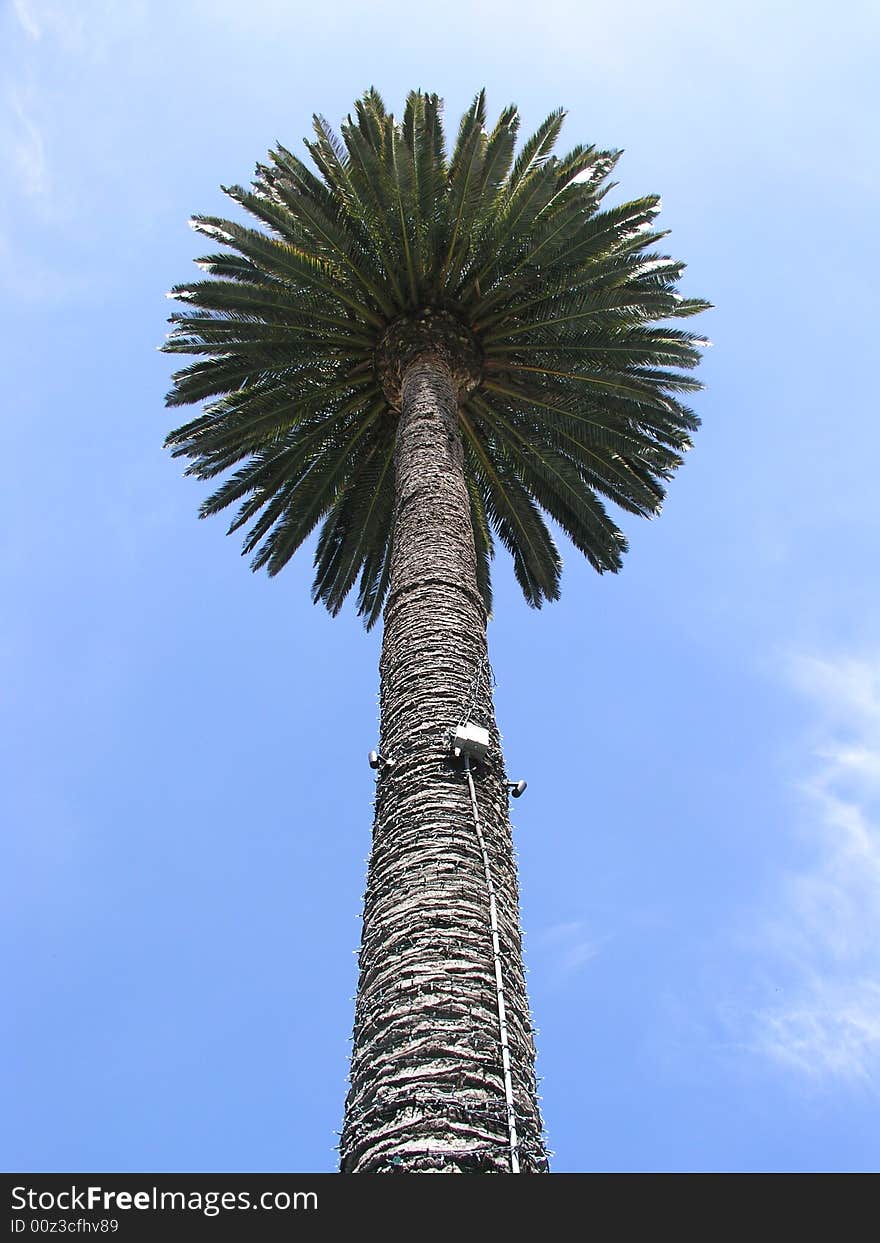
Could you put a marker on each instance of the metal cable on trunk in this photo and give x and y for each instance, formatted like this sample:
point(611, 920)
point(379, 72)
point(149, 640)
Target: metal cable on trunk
point(499, 982)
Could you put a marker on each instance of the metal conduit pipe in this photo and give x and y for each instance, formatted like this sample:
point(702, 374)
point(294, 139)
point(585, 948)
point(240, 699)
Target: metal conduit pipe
point(499, 983)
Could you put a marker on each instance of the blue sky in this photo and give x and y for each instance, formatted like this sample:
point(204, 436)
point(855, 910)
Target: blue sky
point(184, 785)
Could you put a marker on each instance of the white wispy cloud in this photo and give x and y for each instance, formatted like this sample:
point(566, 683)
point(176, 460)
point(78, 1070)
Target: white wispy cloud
point(88, 30)
point(65, 22)
point(825, 931)
point(566, 948)
point(26, 18)
point(25, 145)
point(831, 1030)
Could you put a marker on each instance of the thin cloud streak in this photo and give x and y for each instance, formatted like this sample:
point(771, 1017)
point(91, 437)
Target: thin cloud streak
point(26, 18)
point(826, 929)
point(568, 947)
point(26, 147)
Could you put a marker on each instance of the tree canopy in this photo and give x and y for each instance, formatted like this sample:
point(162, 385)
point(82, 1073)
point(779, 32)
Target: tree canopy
point(554, 311)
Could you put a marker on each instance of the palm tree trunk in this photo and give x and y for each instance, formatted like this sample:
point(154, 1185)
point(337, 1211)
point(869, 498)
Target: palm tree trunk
point(427, 1084)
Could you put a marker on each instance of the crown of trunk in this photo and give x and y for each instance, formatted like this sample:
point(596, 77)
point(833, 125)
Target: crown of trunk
point(428, 333)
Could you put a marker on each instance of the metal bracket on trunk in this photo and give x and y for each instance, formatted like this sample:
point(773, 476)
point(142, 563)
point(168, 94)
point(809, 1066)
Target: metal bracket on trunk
point(471, 741)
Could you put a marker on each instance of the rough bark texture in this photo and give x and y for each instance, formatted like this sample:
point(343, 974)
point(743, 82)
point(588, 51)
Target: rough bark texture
point(427, 1093)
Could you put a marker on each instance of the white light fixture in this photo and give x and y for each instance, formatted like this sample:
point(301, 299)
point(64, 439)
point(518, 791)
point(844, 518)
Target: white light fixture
point(470, 740)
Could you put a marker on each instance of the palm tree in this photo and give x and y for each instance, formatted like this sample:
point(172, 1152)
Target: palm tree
point(417, 355)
